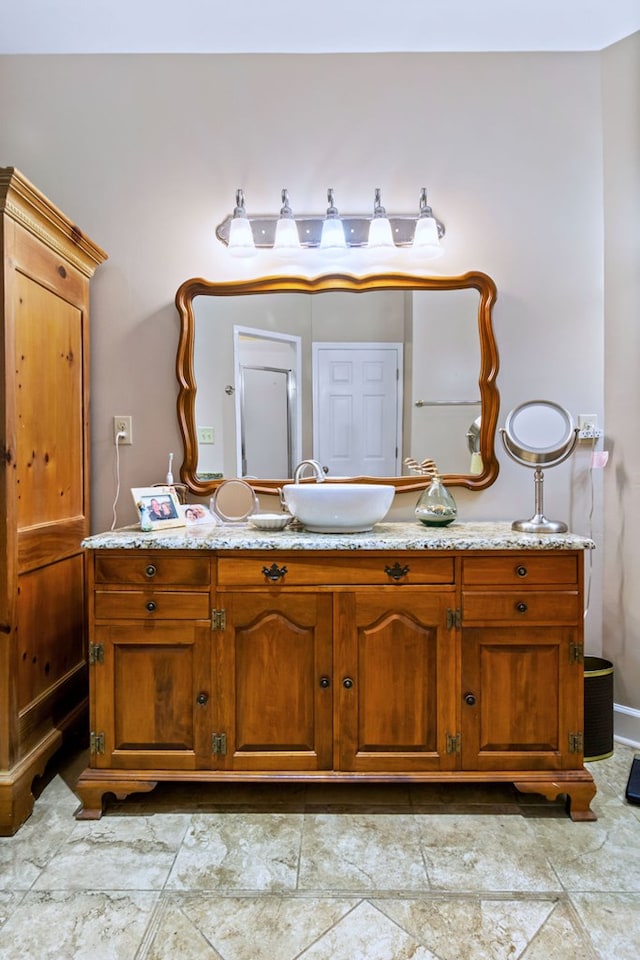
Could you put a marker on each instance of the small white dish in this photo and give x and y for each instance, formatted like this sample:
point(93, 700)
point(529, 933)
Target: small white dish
point(270, 521)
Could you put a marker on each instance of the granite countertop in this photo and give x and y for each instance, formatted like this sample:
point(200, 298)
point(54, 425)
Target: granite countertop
point(488, 535)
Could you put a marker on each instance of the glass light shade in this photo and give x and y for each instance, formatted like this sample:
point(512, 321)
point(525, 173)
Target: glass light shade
point(241, 243)
point(380, 234)
point(332, 239)
point(286, 240)
point(426, 241)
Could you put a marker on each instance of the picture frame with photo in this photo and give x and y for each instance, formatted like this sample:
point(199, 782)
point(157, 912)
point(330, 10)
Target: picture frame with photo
point(197, 513)
point(158, 507)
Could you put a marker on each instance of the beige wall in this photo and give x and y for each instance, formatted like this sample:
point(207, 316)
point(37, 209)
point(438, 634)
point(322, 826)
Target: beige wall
point(145, 153)
point(621, 630)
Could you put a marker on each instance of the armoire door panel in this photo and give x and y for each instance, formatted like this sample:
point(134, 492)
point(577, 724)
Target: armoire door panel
point(46, 543)
point(50, 414)
point(51, 628)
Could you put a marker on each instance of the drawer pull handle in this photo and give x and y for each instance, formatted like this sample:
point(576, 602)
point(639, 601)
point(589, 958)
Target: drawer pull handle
point(151, 570)
point(202, 698)
point(325, 682)
point(396, 572)
point(521, 607)
point(151, 606)
point(347, 683)
point(469, 699)
point(274, 572)
point(521, 571)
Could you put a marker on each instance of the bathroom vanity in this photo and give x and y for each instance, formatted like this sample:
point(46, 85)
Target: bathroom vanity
point(408, 654)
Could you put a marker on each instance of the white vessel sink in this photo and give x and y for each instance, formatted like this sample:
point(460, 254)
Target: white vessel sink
point(340, 507)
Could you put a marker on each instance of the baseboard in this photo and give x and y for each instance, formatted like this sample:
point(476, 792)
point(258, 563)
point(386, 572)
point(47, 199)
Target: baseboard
point(626, 725)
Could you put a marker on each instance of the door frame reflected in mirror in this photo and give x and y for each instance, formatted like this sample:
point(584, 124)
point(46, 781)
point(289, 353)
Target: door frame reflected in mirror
point(489, 396)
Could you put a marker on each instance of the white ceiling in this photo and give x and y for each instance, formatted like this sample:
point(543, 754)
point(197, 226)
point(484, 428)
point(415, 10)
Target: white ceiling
point(298, 26)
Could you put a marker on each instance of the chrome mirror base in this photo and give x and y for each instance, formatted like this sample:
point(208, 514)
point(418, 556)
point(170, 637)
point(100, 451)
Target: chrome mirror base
point(539, 524)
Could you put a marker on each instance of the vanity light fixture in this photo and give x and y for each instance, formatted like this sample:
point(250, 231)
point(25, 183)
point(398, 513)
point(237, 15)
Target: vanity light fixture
point(380, 233)
point(332, 238)
point(286, 239)
point(332, 233)
point(426, 239)
point(241, 242)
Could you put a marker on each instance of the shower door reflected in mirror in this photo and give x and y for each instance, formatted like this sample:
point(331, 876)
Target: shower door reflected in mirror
point(268, 411)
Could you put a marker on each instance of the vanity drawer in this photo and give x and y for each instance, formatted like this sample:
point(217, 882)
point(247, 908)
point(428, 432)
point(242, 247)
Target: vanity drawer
point(521, 569)
point(152, 568)
point(559, 606)
point(299, 569)
point(151, 604)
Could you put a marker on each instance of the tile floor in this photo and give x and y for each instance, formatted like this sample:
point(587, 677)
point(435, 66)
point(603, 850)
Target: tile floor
point(232, 872)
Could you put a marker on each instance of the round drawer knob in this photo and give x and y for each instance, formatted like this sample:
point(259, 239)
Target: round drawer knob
point(325, 682)
point(347, 683)
point(469, 699)
point(151, 606)
point(202, 698)
point(521, 571)
point(521, 607)
point(150, 570)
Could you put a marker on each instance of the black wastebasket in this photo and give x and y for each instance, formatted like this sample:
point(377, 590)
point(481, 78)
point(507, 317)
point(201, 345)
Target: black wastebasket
point(598, 708)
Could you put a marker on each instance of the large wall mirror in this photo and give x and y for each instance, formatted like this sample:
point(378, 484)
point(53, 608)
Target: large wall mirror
point(358, 373)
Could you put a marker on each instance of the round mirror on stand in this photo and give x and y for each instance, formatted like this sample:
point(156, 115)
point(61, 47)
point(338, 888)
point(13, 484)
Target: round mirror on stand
point(537, 434)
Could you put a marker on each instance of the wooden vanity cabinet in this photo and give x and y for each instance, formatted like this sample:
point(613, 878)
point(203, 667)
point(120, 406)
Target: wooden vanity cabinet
point(340, 663)
point(522, 662)
point(150, 655)
point(304, 666)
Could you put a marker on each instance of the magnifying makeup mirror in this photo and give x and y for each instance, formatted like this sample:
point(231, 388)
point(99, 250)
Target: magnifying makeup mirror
point(537, 434)
point(234, 501)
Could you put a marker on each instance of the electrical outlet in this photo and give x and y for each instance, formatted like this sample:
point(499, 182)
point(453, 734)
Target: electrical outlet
point(206, 435)
point(588, 426)
point(123, 425)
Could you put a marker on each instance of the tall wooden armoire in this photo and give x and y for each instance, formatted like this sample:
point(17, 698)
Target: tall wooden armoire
point(47, 263)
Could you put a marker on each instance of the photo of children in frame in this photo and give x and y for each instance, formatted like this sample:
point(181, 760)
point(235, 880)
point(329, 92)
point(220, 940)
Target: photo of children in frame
point(197, 513)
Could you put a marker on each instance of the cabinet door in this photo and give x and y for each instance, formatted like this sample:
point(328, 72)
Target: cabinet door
point(396, 677)
point(151, 695)
point(522, 698)
point(273, 663)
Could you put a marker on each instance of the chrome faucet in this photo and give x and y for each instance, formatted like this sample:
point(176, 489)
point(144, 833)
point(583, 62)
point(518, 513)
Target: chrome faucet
point(302, 466)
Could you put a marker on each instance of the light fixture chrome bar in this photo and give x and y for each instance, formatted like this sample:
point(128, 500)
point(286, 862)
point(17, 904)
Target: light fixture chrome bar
point(356, 229)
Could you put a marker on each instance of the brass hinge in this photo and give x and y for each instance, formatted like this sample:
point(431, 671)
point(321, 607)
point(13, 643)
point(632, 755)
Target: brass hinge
point(96, 653)
point(453, 743)
point(454, 618)
point(575, 742)
point(576, 652)
point(96, 742)
point(219, 744)
point(218, 620)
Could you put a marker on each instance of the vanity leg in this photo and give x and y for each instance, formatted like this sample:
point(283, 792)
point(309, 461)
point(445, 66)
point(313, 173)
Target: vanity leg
point(92, 788)
point(579, 795)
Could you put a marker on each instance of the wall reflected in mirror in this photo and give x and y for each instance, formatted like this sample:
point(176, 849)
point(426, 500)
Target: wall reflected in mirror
point(356, 381)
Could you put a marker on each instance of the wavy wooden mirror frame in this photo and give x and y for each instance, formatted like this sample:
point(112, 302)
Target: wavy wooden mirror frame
point(489, 396)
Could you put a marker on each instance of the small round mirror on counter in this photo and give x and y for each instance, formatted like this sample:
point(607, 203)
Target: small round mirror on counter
point(234, 501)
point(539, 433)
